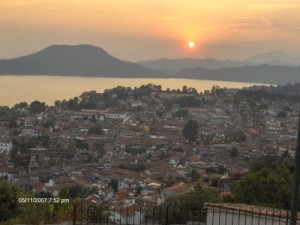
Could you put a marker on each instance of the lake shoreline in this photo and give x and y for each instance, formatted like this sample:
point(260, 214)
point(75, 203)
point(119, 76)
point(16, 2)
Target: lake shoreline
point(16, 88)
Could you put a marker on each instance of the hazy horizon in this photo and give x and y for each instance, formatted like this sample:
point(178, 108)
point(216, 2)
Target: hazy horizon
point(136, 30)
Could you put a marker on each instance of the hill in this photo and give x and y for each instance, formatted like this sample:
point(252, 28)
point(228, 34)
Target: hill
point(172, 65)
point(79, 60)
point(268, 74)
point(275, 58)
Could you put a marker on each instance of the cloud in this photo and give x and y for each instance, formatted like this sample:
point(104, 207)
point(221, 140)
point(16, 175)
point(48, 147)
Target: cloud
point(166, 18)
point(245, 23)
point(207, 28)
point(285, 25)
point(276, 24)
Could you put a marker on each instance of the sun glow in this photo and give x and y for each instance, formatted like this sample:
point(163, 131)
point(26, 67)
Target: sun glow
point(191, 44)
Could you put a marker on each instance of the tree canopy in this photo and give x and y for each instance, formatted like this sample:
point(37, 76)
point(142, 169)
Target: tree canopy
point(8, 201)
point(268, 183)
point(190, 130)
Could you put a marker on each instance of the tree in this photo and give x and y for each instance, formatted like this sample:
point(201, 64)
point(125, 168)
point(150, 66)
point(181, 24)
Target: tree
point(282, 114)
point(236, 136)
point(190, 130)
point(95, 130)
point(234, 152)
point(36, 107)
point(8, 201)
point(73, 104)
point(114, 184)
point(182, 113)
point(21, 105)
point(193, 200)
point(268, 183)
point(195, 175)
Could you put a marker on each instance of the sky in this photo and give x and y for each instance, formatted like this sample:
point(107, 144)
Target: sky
point(149, 29)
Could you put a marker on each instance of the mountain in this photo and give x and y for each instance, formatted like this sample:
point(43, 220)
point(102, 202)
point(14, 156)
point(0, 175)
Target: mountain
point(79, 60)
point(88, 60)
point(268, 74)
point(275, 58)
point(172, 65)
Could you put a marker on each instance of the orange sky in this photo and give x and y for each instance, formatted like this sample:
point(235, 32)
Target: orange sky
point(150, 29)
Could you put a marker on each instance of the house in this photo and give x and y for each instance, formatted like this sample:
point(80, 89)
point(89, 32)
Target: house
point(107, 194)
point(119, 116)
point(195, 161)
point(175, 190)
point(174, 160)
point(5, 146)
point(96, 199)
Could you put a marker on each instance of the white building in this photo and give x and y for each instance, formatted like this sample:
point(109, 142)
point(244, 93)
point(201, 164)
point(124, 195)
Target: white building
point(121, 116)
point(236, 213)
point(5, 146)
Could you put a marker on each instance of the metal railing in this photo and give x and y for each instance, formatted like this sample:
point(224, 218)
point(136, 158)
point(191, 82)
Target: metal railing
point(85, 214)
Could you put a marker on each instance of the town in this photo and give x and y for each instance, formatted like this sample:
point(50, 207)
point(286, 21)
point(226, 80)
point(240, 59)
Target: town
point(144, 145)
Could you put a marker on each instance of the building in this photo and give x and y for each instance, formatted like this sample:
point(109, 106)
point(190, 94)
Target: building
point(5, 146)
point(236, 213)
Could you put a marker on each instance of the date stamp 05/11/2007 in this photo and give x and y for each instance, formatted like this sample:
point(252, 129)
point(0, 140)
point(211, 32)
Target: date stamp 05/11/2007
point(44, 200)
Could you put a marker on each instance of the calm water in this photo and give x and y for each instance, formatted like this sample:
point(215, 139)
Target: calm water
point(14, 89)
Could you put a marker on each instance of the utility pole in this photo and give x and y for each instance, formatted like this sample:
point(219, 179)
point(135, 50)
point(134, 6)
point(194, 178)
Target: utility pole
point(295, 193)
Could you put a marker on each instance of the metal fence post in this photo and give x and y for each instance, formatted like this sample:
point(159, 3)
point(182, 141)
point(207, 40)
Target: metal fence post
point(294, 204)
point(74, 214)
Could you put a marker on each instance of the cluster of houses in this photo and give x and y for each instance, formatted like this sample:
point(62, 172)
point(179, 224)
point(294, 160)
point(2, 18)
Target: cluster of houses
point(146, 153)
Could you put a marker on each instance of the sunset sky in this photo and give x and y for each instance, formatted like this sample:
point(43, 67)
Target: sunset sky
point(151, 29)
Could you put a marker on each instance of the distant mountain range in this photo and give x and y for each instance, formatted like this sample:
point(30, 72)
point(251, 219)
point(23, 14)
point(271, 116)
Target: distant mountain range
point(88, 60)
point(275, 58)
point(172, 65)
point(268, 74)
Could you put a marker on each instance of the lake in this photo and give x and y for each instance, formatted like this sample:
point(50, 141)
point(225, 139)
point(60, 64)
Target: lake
point(15, 89)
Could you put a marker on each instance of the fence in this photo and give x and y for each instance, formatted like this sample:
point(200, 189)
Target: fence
point(209, 215)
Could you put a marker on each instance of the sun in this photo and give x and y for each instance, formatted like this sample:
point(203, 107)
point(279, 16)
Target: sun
point(191, 44)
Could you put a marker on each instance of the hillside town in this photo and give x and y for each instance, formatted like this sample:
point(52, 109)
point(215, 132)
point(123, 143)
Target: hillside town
point(135, 152)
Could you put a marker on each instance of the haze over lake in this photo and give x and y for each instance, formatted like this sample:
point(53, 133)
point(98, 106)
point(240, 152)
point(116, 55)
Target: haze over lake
point(15, 89)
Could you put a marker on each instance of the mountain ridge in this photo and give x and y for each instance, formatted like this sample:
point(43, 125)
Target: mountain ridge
point(268, 74)
point(90, 61)
point(73, 60)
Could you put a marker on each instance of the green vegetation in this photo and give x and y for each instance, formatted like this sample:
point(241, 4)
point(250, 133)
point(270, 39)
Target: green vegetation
point(97, 130)
point(114, 184)
point(133, 167)
point(234, 152)
point(184, 101)
point(181, 205)
point(282, 114)
point(37, 107)
point(195, 176)
point(182, 113)
point(190, 130)
point(219, 170)
point(18, 207)
point(77, 192)
point(9, 207)
point(268, 183)
point(136, 151)
point(235, 136)
point(196, 198)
